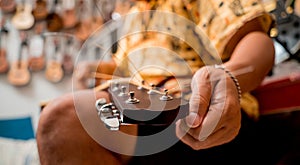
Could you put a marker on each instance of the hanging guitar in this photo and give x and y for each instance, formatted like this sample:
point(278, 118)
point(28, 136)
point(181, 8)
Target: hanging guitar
point(19, 74)
point(288, 29)
point(40, 10)
point(54, 71)
point(8, 5)
point(4, 64)
point(135, 103)
point(54, 20)
point(69, 16)
point(23, 18)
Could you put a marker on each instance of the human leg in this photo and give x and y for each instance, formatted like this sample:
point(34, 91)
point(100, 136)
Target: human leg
point(63, 139)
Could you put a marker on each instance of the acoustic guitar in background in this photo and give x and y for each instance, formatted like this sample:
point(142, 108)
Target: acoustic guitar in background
point(23, 18)
point(54, 71)
point(40, 11)
point(36, 49)
point(68, 62)
point(54, 20)
point(19, 74)
point(69, 15)
point(4, 64)
point(83, 30)
point(8, 6)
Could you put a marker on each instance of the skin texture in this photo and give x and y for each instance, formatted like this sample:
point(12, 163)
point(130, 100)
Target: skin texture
point(61, 138)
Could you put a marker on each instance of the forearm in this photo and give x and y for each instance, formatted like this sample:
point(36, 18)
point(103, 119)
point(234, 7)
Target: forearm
point(256, 52)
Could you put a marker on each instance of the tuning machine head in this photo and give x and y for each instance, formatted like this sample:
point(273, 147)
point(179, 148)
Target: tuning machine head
point(109, 114)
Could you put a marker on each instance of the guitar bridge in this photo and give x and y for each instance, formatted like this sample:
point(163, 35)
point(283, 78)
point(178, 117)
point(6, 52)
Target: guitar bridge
point(109, 114)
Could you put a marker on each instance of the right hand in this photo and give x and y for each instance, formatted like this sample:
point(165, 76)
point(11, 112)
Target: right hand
point(83, 74)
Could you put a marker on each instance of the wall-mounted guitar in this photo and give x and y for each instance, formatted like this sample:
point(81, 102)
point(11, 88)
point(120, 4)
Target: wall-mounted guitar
point(54, 71)
point(288, 29)
point(69, 14)
point(83, 29)
point(54, 20)
point(136, 103)
point(23, 18)
point(4, 64)
point(8, 6)
point(36, 49)
point(40, 10)
point(19, 74)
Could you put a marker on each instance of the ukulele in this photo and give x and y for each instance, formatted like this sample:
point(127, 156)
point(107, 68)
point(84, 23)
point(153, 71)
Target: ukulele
point(8, 5)
point(69, 14)
point(4, 64)
point(23, 18)
point(67, 64)
point(19, 74)
point(40, 10)
point(135, 103)
point(83, 30)
point(54, 21)
point(54, 71)
point(36, 50)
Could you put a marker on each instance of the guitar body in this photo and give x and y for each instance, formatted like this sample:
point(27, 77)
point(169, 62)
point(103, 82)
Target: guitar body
point(54, 71)
point(8, 5)
point(23, 19)
point(40, 11)
point(54, 22)
point(4, 66)
point(19, 74)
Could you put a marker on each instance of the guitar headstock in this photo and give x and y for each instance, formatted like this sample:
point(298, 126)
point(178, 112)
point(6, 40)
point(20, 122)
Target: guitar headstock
point(138, 104)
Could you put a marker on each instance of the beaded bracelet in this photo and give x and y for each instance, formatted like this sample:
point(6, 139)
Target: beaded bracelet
point(235, 80)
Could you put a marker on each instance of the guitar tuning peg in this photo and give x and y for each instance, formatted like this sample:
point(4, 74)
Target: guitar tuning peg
point(123, 91)
point(116, 86)
point(141, 85)
point(152, 89)
point(100, 102)
point(132, 99)
point(166, 96)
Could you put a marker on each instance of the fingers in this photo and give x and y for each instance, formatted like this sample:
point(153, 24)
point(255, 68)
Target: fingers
point(201, 94)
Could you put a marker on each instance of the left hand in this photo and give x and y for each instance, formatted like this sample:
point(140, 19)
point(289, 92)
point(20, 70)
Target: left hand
point(214, 116)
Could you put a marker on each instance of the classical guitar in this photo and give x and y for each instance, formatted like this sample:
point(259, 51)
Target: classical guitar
point(36, 49)
point(40, 10)
point(83, 29)
point(8, 5)
point(69, 15)
point(136, 103)
point(19, 74)
point(68, 62)
point(4, 64)
point(54, 71)
point(23, 18)
point(54, 20)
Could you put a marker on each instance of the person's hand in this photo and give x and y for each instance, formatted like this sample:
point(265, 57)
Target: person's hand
point(214, 115)
point(83, 74)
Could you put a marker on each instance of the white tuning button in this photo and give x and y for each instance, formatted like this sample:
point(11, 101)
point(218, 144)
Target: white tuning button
point(123, 91)
point(132, 99)
point(100, 102)
point(152, 89)
point(141, 85)
point(166, 96)
point(116, 87)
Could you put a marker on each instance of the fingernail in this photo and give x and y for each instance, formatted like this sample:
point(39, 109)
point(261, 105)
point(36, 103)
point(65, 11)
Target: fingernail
point(193, 120)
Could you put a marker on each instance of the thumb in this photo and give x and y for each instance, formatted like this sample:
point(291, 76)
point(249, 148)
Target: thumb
point(193, 120)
